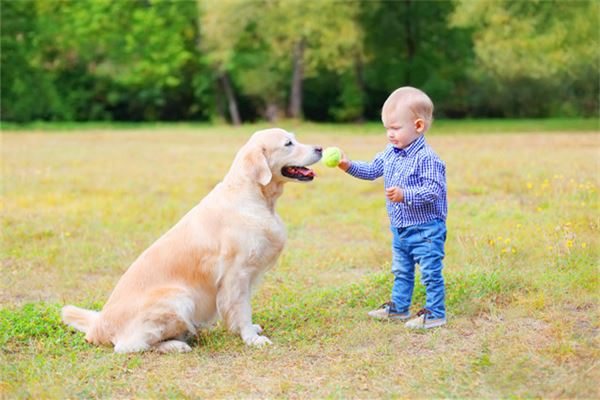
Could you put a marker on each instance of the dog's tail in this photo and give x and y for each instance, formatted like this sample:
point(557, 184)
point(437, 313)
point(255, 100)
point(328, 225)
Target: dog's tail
point(79, 318)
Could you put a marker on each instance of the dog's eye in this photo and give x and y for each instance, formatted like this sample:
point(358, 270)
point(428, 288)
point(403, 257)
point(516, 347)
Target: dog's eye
point(289, 143)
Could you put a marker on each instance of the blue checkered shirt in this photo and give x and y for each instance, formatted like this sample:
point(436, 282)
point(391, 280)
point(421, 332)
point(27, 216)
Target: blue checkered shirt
point(419, 172)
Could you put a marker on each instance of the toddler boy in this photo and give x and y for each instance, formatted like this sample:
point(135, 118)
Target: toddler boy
point(415, 187)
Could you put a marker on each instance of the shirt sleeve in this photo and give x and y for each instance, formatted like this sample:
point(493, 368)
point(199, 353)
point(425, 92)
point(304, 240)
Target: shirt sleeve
point(367, 170)
point(432, 184)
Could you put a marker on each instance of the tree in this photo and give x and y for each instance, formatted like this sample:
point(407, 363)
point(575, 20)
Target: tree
point(101, 59)
point(263, 42)
point(323, 34)
point(143, 48)
point(222, 24)
point(28, 89)
point(530, 50)
point(409, 43)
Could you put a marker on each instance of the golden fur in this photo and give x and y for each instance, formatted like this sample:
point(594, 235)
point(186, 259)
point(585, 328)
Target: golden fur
point(205, 266)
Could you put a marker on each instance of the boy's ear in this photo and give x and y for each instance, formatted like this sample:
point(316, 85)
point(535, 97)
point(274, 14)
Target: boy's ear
point(420, 125)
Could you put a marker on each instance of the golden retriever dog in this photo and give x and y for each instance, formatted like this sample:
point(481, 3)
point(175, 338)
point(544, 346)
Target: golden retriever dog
point(206, 265)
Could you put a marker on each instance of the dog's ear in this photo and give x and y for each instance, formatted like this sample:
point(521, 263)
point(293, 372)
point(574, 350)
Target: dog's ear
point(257, 167)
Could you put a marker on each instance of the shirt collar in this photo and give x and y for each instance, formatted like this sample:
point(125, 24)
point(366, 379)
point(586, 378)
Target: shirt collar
point(411, 148)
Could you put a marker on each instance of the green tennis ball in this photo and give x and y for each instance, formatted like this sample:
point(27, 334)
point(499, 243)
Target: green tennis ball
point(332, 156)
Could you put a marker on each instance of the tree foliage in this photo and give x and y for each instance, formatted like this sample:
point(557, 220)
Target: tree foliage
point(537, 57)
point(325, 60)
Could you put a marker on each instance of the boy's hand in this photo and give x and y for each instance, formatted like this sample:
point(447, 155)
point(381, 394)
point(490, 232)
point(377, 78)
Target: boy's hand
point(344, 163)
point(395, 194)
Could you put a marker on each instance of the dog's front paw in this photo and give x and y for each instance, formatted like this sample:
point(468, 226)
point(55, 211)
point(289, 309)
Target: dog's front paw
point(257, 328)
point(259, 341)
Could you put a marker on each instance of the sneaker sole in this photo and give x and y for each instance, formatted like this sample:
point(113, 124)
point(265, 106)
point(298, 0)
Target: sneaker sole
point(389, 317)
point(428, 326)
point(399, 317)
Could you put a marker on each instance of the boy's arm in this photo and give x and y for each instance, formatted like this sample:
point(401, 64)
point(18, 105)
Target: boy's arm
point(361, 169)
point(433, 184)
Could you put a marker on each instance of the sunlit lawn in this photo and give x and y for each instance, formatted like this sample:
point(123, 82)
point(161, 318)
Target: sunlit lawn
point(521, 267)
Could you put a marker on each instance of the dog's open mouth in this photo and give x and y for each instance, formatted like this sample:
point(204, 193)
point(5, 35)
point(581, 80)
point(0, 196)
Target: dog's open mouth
point(299, 173)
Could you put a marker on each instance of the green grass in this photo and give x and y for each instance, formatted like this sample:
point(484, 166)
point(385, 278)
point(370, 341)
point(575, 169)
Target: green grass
point(521, 269)
point(441, 126)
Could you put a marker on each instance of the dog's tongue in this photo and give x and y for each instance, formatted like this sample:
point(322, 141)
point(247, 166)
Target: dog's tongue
point(302, 171)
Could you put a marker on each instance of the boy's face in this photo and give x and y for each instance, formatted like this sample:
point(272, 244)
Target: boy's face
point(403, 129)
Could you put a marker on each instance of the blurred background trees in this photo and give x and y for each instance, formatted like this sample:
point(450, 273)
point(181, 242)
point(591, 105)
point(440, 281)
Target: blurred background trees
point(242, 60)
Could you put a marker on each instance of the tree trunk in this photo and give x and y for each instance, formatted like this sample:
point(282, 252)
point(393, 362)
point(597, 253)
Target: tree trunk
point(410, 40)
point(219, 101)
point(295, 108)
point(272, 112)
point(360, 83)
point(231, 101)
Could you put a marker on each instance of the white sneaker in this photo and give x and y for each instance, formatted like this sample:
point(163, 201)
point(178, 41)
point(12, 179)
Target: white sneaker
point(422, 322)
point(386, 312)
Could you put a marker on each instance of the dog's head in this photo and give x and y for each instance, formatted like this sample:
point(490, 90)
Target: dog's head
point(276, 155)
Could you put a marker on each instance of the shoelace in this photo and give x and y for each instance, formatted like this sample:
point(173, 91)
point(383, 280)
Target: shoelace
point(424, 312)
point(387, 304)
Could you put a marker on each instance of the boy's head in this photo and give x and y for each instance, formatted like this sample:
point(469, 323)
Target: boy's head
point(407, 113)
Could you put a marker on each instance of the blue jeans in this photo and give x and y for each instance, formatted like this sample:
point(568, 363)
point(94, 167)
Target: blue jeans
point(424, 245)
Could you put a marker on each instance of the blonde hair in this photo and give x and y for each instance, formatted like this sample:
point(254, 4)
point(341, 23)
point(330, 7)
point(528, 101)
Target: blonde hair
point(415, 100)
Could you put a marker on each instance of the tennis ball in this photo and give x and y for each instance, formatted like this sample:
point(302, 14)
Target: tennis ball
point(332, 156)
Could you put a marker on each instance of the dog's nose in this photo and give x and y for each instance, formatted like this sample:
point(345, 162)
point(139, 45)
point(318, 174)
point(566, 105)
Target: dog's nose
point(319, 149)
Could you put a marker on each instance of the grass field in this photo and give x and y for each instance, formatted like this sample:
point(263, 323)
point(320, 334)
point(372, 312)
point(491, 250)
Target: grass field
point(521, 268)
